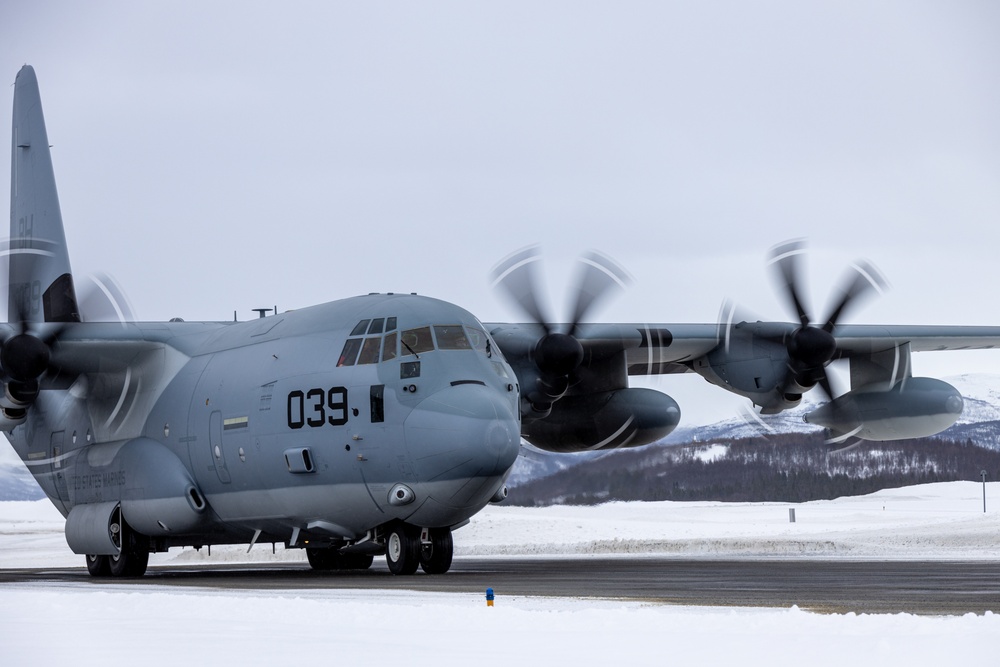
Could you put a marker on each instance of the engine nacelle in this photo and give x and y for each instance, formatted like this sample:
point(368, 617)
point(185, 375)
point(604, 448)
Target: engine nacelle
point(607, 420)
point(12, 417)
point(913, 408)
point(15, 398)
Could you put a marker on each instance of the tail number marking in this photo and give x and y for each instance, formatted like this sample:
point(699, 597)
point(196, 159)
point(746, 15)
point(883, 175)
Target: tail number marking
point(317, 407)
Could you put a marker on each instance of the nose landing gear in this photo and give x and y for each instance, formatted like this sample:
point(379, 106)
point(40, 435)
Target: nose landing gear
point(436, 550)
point(402, 549)
point(407, 548)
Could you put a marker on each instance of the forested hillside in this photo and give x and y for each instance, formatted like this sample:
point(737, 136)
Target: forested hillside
point(779, 468)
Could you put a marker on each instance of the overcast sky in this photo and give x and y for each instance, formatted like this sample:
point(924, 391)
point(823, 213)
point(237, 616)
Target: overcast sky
point(218, 156)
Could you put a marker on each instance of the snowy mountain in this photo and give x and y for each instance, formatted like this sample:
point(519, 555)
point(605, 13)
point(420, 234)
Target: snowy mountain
point(981, 392)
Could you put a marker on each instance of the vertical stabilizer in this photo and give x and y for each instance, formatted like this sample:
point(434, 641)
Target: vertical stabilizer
point(41, 283)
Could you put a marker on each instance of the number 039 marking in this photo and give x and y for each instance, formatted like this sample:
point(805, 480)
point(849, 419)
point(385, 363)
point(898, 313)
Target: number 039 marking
point(317, 407)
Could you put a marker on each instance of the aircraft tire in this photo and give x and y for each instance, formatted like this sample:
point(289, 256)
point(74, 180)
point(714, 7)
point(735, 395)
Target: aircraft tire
point(323, 559)
point(134, 556)
point(358, 561)
point(98, 566)
point(435, 557)
point(402, 549)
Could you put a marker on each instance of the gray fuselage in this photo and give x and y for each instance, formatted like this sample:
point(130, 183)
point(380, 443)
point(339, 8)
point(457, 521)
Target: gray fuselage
point(221, 431)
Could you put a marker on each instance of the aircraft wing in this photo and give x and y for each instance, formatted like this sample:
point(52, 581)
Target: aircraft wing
point(657, 349)
point(670, 348)
point(920, 338)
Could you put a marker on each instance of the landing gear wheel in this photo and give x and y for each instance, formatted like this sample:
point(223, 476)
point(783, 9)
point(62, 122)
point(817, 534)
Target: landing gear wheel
point(402, 549)
point(435, 556)
point(134, 556)
point(358, 561)
point(98, 566)
point(323, 559)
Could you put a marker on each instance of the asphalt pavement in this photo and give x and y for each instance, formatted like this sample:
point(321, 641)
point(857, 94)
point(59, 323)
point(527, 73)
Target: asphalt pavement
point(919, 587)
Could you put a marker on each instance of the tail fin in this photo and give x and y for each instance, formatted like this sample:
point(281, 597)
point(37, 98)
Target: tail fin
point(41, 282)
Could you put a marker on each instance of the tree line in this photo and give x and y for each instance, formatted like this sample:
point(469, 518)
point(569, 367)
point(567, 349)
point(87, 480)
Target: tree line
point(780, 468)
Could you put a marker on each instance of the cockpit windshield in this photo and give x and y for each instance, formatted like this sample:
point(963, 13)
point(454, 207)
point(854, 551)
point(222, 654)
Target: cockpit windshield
point(365, 342)
point(415, 341)
point(479, 340)
point(451, 338)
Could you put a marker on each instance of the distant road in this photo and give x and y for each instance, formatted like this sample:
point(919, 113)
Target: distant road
point(935, 587)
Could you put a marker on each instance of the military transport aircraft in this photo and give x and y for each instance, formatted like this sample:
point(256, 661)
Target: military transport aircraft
point(377, 424)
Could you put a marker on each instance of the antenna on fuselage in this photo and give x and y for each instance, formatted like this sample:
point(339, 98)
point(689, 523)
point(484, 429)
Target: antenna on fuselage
point(264, 311)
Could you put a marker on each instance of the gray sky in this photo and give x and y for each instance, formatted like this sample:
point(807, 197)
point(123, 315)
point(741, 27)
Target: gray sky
point(224, 156)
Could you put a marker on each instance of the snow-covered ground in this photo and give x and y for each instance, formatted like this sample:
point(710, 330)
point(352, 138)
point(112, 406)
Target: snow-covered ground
point(91, 622)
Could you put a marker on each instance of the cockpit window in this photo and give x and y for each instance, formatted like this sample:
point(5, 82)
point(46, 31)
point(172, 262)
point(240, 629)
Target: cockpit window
point(369, 352)
point(350, 353)
point(389, 347)
point(479, 339)
point(451, 337)
point(415, 341)
point(358, 350)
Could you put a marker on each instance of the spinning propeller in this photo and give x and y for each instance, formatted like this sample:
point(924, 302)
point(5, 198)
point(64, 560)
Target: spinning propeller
point(557, 354)
point(26, 354)
point(25, 357)
point(810, 347)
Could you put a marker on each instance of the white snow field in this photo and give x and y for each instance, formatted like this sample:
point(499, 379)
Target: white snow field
point(92, 622)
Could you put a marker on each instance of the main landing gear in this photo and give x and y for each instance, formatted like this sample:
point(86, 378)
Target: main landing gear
point(131, 561)
point(408, 547)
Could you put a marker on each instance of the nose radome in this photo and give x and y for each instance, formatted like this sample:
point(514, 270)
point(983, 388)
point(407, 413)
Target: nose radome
point(461, 431)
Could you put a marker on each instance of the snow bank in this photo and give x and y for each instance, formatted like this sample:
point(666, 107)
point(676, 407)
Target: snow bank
point(932, 521)
point(204, 627)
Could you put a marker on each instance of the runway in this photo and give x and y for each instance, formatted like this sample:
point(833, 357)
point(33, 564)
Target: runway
point(918, 587)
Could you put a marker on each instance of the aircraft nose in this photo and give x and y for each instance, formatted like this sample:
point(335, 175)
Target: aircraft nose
point(465, 430)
